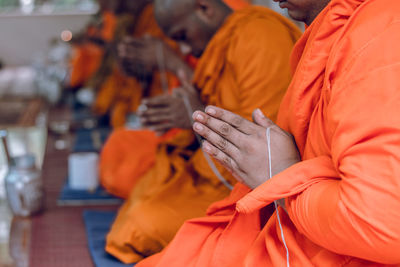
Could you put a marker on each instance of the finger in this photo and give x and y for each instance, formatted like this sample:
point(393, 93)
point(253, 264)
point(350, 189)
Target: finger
point(232, 119)
point(161, 100)
point(217, 140)
point(128, 39)
point(149, 112)
point(121, 50)
point(228, 162)
point(162, 127)
point(221, 128)
point(132, 41)
point(260, 119)
point(155, 119)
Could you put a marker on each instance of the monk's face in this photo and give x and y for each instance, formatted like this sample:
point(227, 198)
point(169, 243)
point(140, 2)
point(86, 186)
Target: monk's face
point(303, 10)
point(193, 28)
point(192, 32)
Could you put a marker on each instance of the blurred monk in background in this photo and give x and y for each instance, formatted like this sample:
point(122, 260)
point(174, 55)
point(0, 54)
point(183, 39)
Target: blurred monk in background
point(243, 65)
point(119, 93)
point(89, 45)
point(121, 166)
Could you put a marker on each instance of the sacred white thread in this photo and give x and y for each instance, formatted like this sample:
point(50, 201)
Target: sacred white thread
point(161, 67)
point(268, 133)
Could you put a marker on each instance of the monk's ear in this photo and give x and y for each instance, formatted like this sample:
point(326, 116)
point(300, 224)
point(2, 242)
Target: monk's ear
point(205, 9)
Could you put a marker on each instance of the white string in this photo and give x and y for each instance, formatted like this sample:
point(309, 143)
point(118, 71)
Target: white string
point(161, 67)
point(209, 160)
point(268, 133)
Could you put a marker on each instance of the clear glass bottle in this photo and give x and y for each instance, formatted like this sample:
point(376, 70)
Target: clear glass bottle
point(24, 187)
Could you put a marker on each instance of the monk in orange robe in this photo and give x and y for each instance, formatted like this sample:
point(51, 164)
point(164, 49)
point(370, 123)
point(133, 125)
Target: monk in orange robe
point(88, 50)
point(333, 155)
point(120, 166)
point(120, 94)
point(229, 74)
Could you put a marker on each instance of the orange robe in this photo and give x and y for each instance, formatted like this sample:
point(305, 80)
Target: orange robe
point(120, 94)
point(86, 58)
point(237, 4)
point(343, 201)
point(181, 185)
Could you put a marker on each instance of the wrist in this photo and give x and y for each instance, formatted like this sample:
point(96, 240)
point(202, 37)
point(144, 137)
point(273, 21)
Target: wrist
point(283, 165)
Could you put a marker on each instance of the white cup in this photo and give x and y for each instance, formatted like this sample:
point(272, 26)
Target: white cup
point(83, 171)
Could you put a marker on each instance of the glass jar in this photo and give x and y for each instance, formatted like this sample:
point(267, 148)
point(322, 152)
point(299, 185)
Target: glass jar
point(24, 186)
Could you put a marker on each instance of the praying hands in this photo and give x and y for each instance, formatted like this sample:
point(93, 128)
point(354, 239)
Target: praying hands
point(242, 146)
point(163, 112)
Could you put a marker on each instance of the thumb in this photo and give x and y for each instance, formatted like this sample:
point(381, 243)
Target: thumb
point(260, 119)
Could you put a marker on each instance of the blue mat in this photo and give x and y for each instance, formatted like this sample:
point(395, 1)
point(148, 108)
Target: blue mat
point(71, 197)
point(97, 224)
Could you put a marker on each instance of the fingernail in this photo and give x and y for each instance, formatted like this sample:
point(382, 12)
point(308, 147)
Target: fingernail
point(198, 127)
point(199, 117)
point(211, 111)
point(260, 113)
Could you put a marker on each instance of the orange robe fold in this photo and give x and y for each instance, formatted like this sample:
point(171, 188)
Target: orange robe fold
point(181, 185)
point(342, 108)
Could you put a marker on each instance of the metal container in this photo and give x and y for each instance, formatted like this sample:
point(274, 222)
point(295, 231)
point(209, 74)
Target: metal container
point(24, 187)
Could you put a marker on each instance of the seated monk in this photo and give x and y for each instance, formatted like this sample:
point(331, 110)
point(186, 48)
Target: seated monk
point(233, 48)
point(119, 93)
point(333, 154)
point(88, 46)
point(120, 166)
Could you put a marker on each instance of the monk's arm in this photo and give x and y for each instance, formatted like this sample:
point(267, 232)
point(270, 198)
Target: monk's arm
point(357, 214)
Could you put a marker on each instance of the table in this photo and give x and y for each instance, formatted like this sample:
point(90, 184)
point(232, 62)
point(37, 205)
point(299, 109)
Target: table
point(56, 237)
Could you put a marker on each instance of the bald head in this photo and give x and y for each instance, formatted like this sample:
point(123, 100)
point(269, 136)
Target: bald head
point(192, 22)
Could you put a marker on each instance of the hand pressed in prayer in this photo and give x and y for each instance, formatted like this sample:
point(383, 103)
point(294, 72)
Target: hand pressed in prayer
point(129, 64)
point(148, 52)
point(242, 146)
point(167, 111)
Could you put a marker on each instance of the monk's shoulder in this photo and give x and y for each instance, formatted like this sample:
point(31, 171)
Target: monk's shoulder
point(370, 21)
point(268, 25)
point(263, 31)
point(366, 43)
